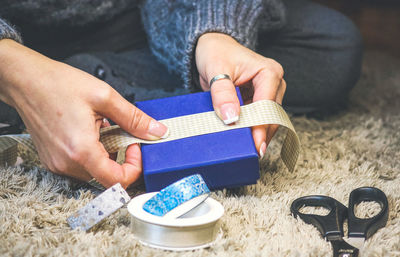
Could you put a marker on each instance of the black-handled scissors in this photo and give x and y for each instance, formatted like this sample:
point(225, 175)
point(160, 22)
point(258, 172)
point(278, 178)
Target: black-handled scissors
point(331, 225)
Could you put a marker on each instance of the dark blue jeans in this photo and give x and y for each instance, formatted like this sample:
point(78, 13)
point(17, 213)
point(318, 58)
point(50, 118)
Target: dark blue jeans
point(321, 53)
point(319, 49)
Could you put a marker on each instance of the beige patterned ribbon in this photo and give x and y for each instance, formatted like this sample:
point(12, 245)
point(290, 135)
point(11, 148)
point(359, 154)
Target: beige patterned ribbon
point(114, 138)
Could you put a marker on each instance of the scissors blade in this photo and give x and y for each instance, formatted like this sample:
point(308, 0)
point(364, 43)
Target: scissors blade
point(357, 242)
point(342, 249)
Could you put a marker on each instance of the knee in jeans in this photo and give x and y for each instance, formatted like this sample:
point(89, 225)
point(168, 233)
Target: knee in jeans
point(344, 54)
point(340, 29)
point(347, 34)
point(324, 24)
point(348, 55)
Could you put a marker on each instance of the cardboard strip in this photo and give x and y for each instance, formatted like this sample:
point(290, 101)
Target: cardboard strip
point(8, 151)
point(258, 113)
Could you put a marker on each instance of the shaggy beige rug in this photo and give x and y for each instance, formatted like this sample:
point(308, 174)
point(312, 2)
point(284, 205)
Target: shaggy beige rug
point(358, 147)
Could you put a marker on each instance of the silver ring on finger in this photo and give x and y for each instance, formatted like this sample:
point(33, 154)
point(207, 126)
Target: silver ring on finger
point(219, 77)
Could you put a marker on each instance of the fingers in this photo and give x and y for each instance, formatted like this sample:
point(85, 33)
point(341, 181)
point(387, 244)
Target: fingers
point(267, 86)
point(225, 101)
point(259, 137)
point(128, 117)
point(281, 92)
point(108, 172)
point(108, 103)
point(105, 123)
point(91, 160)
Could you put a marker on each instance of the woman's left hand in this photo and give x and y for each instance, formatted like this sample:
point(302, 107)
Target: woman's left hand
point(261, 77)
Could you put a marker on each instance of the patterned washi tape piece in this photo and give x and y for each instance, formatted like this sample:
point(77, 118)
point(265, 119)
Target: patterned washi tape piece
point(254, 114)
point(99, 208)
point(178, 198)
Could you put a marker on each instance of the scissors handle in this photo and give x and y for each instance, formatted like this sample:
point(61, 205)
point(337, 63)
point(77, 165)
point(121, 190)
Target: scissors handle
point(367, 227)
point(331, 225)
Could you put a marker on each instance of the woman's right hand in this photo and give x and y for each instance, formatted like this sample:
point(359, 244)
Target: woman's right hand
point(63, 109)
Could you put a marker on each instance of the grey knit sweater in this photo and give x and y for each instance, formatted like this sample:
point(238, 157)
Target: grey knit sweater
point(172, 26)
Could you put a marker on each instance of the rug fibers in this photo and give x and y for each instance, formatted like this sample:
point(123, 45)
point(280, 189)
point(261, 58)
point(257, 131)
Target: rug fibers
point(357, 147)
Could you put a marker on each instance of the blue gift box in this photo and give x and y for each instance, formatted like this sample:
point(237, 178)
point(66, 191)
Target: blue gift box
point(224, 159)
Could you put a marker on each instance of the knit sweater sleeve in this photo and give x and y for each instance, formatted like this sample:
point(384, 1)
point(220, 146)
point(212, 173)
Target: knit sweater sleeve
point(8, 31)
point(174, 26)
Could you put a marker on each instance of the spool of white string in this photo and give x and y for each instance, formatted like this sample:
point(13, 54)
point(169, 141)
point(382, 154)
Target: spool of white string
point(198, 228)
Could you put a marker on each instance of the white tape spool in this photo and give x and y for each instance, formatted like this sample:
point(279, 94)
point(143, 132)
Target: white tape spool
point(196, 229)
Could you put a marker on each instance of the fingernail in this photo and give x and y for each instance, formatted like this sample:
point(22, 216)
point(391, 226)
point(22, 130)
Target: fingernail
point(263, 148)
point(158, 129)
point(229, 113)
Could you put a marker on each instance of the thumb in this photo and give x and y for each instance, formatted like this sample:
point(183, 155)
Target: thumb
point(224, 98)
point(130, 118)
point(109, 172)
